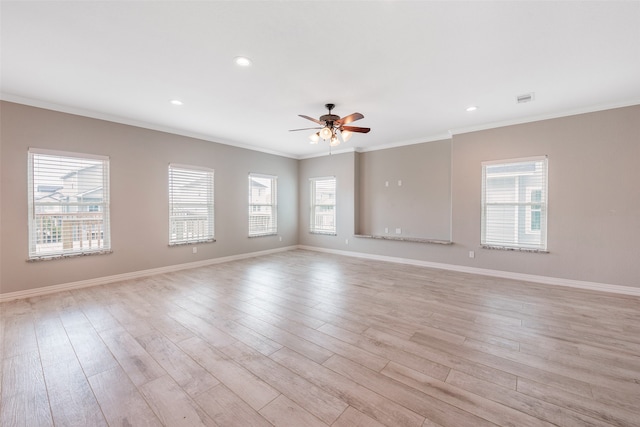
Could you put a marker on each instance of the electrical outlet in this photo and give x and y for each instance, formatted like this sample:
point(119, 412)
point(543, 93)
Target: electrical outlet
point(399, 183)
point(194, 250)
point(398, 230)
point(386, 230)
point(346, 241)
point(386, 183)
point(280, 237)
point(472, 254)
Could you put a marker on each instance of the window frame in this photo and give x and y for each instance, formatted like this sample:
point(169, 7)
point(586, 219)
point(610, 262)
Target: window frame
point(193, 236)
point(525, 238)
point(313, 227)
point(271, 227)
point(92, 228)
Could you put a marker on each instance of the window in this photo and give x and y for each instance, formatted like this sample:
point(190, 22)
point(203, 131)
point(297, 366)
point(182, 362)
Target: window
point(68, 197)
point(191, 210)
point(263, 208)
point(323, 206)
point(514, 204)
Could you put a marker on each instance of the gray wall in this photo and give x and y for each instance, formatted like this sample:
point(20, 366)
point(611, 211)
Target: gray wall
point(594, 201)
point(594, 198)
point(341, 166)
point(417, 199)
point(139, 197)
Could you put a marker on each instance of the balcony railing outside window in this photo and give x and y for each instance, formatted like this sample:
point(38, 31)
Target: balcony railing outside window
point(68, 232)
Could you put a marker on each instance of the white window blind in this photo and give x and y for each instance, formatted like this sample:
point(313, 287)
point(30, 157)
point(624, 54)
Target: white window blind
point(263, 208)
point(191, 207)
point(323, 205)
point(68, 201)
point(514, 204)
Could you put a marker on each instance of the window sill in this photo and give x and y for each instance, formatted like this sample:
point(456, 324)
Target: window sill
point(323, 233)
point(262, 235)
point(194, 242)
point(406, 239)
point(72, 255)
point(509, 248)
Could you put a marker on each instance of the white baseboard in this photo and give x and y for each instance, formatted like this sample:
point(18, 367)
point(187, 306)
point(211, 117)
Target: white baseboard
point(10, 296)
point(592, 286)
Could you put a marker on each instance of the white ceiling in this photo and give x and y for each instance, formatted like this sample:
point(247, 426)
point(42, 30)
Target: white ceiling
point(410, 67)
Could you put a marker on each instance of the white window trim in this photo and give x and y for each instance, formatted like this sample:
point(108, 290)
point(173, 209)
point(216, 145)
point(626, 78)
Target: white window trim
point(273, 205)
point(515, 160)
point(207, 239)
point(33, 256)
point(543, 203)
point(312, 206)
point(49, 152)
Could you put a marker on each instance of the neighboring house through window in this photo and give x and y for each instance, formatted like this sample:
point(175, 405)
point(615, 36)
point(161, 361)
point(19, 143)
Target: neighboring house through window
point(514, 204)
point(534, 210)
point(68, 198)
point(263, 207)
point(323, 205)
point(191, 205)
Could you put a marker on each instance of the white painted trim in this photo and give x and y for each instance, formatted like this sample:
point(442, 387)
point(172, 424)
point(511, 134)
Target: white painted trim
point(593, 286)
point(424, 140)
point(546, 280)
point(136, 123)
point(541, 117)
point(432, 138)
point(330, 152)
point(10, 296)
point(182, 132)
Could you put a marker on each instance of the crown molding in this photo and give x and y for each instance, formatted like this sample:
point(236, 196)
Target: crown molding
point(538, 118)
point(136, 123)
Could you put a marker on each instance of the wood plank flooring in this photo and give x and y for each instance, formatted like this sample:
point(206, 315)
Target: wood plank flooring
point(310, 339)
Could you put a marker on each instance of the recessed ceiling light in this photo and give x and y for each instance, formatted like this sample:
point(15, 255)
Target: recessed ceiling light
point(471, 108)
point(242, 61)
point(176, 102)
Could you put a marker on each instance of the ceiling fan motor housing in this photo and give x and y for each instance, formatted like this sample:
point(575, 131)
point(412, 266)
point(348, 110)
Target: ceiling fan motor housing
point(329, 118)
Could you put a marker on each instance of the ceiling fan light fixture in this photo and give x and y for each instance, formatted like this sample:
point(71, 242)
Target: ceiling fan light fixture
point(326, 133)
point(333, 128)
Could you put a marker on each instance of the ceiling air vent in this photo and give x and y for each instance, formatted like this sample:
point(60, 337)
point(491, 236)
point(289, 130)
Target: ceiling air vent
point(527, 97)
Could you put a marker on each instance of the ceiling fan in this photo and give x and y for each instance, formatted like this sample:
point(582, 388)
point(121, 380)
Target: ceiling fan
point(333, 127)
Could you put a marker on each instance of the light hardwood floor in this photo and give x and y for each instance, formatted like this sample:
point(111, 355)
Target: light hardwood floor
point(309, 339)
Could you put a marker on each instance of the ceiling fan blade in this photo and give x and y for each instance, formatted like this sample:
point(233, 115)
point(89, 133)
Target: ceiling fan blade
point(311, 118)
point(293, 130)
point(355, 129)
point(350, 118)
